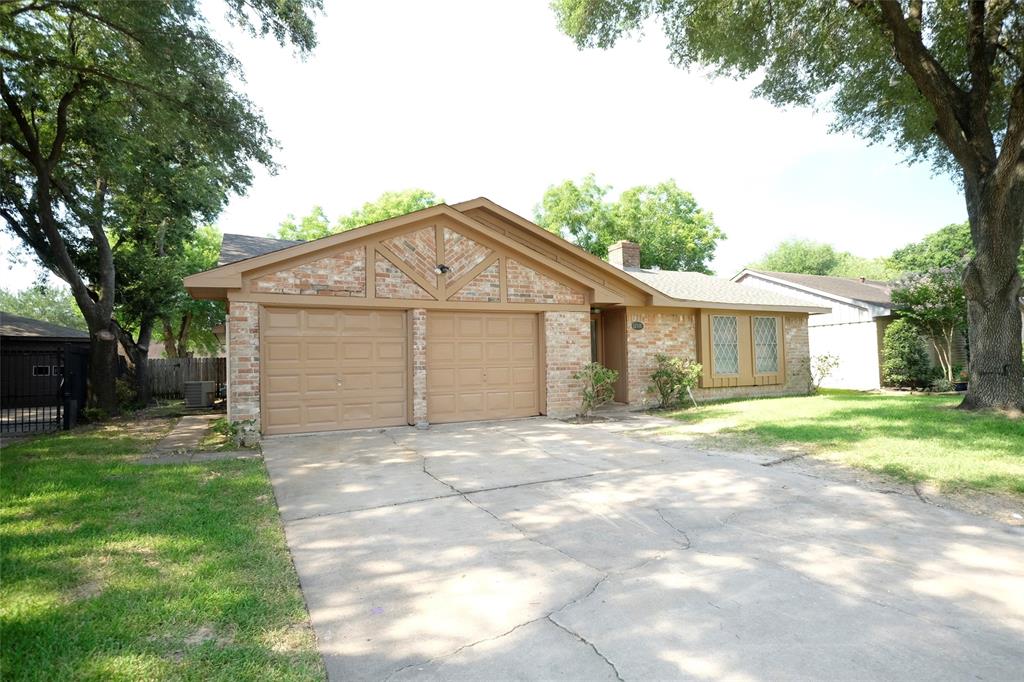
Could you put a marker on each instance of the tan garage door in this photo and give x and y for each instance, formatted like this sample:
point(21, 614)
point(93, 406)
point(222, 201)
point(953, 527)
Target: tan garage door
point(481, 366)
point(333, 369)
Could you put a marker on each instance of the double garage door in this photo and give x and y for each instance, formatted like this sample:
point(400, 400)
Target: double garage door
point(344, 369)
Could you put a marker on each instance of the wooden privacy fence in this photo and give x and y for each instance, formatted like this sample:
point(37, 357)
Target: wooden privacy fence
point(167, 376)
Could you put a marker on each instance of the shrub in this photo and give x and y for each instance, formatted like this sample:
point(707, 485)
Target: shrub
point(943, 385)
point(598, 386)
point(904, 359)
point(822, 367)
point(672, 377)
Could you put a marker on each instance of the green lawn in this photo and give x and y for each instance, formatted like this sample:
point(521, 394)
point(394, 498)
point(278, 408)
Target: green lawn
point(911, 437)
point(114, 570)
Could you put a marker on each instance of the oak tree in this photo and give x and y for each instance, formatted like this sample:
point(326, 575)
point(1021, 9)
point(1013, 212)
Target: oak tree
point(942, 81)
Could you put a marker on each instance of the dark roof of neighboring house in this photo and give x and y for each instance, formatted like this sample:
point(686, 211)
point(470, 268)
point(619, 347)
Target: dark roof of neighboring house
point(15, 325)
point(868, 290)
point(236, 247)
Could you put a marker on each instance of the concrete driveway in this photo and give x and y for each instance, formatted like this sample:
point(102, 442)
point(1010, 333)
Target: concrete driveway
point(536, 549)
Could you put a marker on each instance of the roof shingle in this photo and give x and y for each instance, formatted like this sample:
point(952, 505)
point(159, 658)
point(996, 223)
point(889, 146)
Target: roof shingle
point(701, 288)
point(16, 325)
point(868, 291)
point(236, 247)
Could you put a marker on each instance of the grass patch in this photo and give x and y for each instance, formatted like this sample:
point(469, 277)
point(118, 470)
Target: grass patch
point(913, 438)
point(114, 570)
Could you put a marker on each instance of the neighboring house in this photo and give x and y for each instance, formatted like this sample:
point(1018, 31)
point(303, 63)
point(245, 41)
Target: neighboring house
point(36, 356)
point(853, 330)
point(466, 312)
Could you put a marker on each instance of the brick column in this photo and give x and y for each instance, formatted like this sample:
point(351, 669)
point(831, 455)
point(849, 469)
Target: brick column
point(243, 330)
point(418, 320)
point(567, 350)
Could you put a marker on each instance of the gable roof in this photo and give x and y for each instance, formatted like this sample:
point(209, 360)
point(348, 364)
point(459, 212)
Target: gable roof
point(236, 247)
point(705, 289)
point(871, 291)
point(26, 327)
point(244, 254)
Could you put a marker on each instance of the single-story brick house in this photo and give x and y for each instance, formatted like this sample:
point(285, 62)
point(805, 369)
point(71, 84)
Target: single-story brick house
point(469, 311)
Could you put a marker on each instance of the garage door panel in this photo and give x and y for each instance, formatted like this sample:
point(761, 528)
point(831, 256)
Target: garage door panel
point(357, 350)
point(391, 380)
point(390, 350)
point(284, 351)
point(481, 366)
point(307, 353)
point(498, 351)
point(501, 400)
point(524, 399)
point(440, 352)
point(468, 351)
point(499, 376)
point(440, 379)
point(523, 350)
point(524, 328)
point(320, 350)
point(289, 383)
point(524, 376)
point(469, 377)
point(469, 325)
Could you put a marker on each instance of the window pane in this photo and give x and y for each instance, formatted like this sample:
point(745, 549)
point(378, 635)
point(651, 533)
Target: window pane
point(766, 345)
point(724, 345)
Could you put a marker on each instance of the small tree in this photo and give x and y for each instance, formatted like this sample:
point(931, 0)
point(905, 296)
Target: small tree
point(904, 360)
point(672, 377)
point(933, 301)
point(598, 386)
point(822, 367)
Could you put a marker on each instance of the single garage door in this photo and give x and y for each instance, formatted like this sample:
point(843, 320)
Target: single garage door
point(333, 369)
point(482, 366)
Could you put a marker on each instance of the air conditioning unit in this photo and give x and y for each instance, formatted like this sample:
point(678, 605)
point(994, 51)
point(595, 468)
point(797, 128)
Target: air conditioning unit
point(199, 393)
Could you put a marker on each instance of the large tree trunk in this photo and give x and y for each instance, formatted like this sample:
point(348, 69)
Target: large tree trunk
point(138, 352)
point(102, 392)
point(992, 287)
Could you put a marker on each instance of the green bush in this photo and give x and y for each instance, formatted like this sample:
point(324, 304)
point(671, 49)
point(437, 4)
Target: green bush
point(672, 377)
point(904, 359)
point(598, 386)
point(822, 367)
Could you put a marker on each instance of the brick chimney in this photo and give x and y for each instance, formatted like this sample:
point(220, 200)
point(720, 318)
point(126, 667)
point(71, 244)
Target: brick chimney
point(623, 254)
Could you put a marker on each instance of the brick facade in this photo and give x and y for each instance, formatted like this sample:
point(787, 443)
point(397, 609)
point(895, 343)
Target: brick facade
point(566, 349)
point(243, 329)
point(526, 285)
point(675, 334)
point(664, 332)
point(419, 366)
point(417, 249)
point(390, 282)
point(341, 274)
point(461, 254)
point(485, 287)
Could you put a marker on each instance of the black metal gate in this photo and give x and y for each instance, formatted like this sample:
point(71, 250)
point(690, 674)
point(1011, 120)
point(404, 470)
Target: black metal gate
point(42, 388)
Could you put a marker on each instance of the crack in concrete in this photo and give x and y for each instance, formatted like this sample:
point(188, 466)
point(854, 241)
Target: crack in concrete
point(590, 644)
point(668, 523)
point(546, 616)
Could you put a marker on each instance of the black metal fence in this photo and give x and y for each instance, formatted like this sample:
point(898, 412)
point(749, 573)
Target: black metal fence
point(42, 387)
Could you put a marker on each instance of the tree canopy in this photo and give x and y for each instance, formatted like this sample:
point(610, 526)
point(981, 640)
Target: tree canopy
point(673, 232)
point(815, 258)
point(316, 224)
point(947, 247)
point(941, 81)
point(122, 129)
point(43, 302)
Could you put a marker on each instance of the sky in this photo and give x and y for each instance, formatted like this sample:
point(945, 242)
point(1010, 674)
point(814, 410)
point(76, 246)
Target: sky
point(470, 98)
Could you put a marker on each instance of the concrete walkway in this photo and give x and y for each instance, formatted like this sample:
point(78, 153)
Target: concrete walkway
point(537, 549)
point(186, 434)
